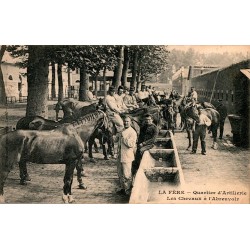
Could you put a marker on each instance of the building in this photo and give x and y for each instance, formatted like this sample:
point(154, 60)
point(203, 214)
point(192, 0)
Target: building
point(180, 82)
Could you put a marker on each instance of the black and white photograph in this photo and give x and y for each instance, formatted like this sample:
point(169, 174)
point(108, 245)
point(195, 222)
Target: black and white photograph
point(125, 124)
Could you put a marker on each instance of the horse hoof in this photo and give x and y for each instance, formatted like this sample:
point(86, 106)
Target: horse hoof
point(106, 158)
point(27, 178)
point(2, 200)
point(71, 199)
point(92, 160)
point(65, 198)
point(23, 182)
point(82, 186)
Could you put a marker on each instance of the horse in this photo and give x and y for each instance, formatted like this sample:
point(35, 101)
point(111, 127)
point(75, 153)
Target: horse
point(40, 123)
point(77, 109)
point(138, 114)
point(63, 145)
point(169, 116)
point(192, 112)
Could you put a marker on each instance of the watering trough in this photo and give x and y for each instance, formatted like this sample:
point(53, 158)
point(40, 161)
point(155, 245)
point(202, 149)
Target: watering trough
point(160, 169)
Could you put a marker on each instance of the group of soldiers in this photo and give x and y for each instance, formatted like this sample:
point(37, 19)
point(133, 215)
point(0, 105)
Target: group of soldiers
point(132, 145)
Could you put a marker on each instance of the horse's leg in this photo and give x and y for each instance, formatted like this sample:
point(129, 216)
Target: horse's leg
point(96, 147)
point(3, 177)
point(214, 129)
point(68, 179)
point(79, 171)
point(91, 142)
point(102, 143)
point(24, 176)
point(189, 138)
point(86, 147)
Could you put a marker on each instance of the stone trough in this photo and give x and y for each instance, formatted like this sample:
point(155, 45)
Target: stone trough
point(160, 170)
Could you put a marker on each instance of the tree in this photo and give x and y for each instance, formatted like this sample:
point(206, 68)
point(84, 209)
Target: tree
point(60, 81)
point(118, 68)
point(135, 53)
point(53, 80)
point(125, 66)
point(2, 86)
point(37, 77)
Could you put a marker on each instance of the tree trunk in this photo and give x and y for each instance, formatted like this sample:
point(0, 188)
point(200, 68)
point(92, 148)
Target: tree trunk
point(2, 86)
point(83, 84)
point(37, 78)
point(118, 68)
point(134, 69)
point(138, 77)
point(53, 82)
point(69, 83)
point(60, 82)
point(125, 67)
point(96, 79)
point(104, 83)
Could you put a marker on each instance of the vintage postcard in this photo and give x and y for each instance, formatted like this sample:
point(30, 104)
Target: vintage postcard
point(124, 124)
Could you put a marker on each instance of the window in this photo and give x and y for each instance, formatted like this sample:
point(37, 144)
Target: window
point(227, 95)
point(232, 96)
point(222, 95)
point(218, 94)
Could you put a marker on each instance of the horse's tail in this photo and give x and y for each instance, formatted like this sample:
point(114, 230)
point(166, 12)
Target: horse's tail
point(11, 147)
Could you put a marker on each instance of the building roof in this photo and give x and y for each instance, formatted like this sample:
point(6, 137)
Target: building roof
point(181, 72)
point(246, 72)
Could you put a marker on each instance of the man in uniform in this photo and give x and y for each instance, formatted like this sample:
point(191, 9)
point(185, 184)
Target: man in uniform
point(200, 132)
point(113, 111)
point(90, 96)
point(119, 99)
point(130, 99)
point(193, 94)
point(143, 94)
point(146, 140)
point(126, 148)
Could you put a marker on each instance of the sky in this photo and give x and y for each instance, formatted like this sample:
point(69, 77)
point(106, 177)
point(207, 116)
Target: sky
point(245, 49)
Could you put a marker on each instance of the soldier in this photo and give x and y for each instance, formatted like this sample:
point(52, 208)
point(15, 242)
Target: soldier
point(146, 140)
point(130, 99)
point(113, 111)
point(200, 132)
point(126, 148)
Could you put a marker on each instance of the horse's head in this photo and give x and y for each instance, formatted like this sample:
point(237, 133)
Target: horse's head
point(101, 105)
point(192, 112)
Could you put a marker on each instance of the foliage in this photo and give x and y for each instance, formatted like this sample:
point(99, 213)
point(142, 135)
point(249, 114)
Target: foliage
point(152, 61)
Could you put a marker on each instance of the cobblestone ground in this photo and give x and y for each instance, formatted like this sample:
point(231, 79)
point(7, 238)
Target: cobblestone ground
point(226, 167)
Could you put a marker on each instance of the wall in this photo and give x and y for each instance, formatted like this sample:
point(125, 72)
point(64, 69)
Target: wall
point(225, 84)
point(14, 86)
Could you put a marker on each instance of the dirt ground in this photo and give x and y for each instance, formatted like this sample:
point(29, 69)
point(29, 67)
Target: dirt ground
point(226, 167)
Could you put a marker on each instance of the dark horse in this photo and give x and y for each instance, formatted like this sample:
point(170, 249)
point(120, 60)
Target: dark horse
point(192, 112)
point(169, 117)
point(40, 123)
point(138, 114)
point(63, 145)
point(71, 107)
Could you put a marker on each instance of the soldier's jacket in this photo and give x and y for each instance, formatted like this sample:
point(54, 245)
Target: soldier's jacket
point(148, 134)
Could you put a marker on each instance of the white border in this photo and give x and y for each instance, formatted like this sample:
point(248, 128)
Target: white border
point(124, 226)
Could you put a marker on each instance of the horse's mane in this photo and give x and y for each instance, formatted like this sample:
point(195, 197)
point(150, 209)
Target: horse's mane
point(89, 118)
